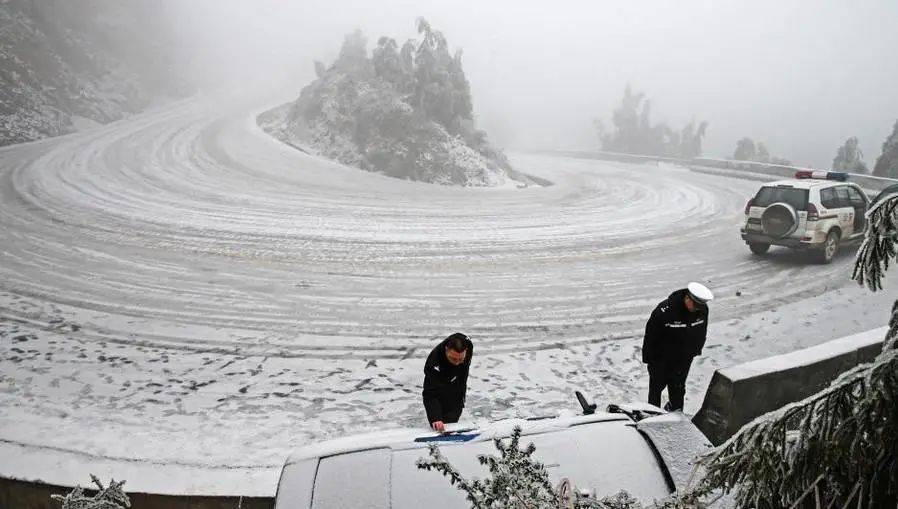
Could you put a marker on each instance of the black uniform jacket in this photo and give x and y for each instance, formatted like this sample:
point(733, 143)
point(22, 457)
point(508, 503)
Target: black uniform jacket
point(444, 384)
point(673, 334)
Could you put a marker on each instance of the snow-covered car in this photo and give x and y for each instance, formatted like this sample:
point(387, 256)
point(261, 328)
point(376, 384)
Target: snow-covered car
point(637, 449)
point(816, 211)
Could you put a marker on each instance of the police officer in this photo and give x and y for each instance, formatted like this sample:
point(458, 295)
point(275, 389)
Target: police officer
point(446, 380)
point(674, 334)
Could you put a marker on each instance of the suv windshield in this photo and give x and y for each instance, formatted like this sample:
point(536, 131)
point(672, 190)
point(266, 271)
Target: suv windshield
point(767, 196)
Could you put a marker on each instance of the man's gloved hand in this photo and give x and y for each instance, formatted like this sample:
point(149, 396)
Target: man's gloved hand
point(438, 426)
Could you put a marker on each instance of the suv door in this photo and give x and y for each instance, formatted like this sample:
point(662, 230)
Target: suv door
point(859, 203)
point(829, 211)
point(845, 211)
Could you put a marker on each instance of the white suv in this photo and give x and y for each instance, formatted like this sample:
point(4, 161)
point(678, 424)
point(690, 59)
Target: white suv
point(629, 447)
point(816, 211)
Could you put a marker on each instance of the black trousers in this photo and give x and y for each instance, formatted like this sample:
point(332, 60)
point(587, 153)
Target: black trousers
point(671, 375)
point(451, 415)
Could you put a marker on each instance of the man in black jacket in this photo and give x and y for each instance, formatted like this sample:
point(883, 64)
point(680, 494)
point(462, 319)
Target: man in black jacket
point(674, 334)
point(446, 380)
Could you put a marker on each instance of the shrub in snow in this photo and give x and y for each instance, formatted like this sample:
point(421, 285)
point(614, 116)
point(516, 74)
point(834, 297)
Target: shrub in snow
point(110, 497)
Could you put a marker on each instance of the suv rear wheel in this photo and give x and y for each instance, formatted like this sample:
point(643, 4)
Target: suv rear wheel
point(830, 247)
point(758, 248)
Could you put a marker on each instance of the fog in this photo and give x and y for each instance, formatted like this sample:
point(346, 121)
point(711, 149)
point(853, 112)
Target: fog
point(801, 76)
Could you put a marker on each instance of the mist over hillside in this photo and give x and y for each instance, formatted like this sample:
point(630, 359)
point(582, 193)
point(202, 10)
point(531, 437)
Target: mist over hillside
point(65, 64)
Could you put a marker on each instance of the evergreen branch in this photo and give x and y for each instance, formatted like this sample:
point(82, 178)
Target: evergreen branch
point(846, 435)
point(879, 245)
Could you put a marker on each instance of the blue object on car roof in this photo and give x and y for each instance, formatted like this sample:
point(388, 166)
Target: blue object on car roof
point(449, 437)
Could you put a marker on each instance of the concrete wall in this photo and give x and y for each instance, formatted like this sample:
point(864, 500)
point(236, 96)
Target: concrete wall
point(739, 394)
point(29, 474)
point(868, 182)
point(31, 495)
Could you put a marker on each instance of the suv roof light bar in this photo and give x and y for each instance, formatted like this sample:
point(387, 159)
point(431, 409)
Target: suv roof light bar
point(822, 175)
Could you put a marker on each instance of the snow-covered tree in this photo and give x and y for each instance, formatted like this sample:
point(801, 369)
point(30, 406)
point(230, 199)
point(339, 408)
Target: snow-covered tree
point(887, 162)
point(517, 480)
point(849, 157)
point(690, 140)
point(745, 150)
point(762, 155)
point(406, 112)
point(748, 150)
point(634, 133)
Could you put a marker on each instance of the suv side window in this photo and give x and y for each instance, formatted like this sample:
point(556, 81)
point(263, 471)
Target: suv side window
point(842, 197)
point(857, 200)
point(828, 198)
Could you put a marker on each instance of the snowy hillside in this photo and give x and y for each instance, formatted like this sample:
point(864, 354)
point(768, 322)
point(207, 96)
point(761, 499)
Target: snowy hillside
point(63, 62)
point(405, 112)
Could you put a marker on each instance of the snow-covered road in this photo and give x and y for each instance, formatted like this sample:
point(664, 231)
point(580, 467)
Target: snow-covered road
point(181, 287)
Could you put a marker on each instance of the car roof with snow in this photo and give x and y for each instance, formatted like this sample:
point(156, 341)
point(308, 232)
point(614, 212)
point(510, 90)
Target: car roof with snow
point(812, 179)
point(805, 183)
point(602, 452)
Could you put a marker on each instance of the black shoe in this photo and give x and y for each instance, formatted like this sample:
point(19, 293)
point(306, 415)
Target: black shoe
point(667, 406)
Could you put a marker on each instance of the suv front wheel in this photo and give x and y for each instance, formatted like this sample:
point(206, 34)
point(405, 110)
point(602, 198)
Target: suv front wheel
point(758, 248)
point(830, 247)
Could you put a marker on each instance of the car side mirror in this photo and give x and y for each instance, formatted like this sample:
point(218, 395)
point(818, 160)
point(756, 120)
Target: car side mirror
point(588, 408)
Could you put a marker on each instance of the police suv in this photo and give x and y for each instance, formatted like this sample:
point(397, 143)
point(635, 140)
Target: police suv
point(816, 211)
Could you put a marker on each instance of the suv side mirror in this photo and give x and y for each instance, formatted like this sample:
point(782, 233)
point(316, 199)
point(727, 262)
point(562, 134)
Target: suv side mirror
point(588, 408)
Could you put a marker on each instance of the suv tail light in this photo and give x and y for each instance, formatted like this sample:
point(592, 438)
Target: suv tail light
point(748, 205)
point(812, 212)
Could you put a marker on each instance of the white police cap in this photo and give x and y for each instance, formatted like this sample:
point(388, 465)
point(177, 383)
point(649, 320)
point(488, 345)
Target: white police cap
point(699, 293)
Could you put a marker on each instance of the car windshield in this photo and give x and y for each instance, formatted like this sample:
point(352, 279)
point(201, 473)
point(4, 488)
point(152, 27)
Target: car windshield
point(767, 196)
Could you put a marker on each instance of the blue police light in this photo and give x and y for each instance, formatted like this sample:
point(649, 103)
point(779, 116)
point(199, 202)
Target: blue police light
point(837, 175)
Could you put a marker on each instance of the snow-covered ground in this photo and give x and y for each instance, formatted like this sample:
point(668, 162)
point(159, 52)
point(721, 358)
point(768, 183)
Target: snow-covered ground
point(180, 287)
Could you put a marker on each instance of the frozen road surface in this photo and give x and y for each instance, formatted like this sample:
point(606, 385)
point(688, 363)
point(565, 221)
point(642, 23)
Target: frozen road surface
point(179, 287)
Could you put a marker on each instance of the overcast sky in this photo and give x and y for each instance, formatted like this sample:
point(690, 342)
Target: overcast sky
point(801, 76)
